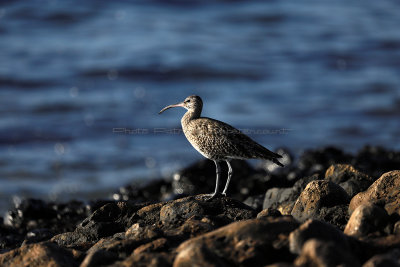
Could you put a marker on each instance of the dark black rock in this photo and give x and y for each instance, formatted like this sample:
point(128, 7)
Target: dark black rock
point(246, 181)
point(199, 178)
point(256, 202)
point(108, 220)
point(38, 235)
point(284, 198)
point(390, 259)
point(317, 161)
point(34, 213)
point(154, 190)
point(144, 229)
point(375, 160)
point(35, 220)
point(336, 215)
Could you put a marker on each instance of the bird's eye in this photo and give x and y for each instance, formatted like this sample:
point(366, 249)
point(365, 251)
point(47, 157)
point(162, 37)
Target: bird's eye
point(188, 101)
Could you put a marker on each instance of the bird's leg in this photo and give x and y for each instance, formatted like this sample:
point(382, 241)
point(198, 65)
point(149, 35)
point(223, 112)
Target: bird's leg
point(218, 171)
point(230, 172)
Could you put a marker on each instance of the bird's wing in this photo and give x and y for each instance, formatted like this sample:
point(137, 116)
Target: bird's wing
point(223, 139)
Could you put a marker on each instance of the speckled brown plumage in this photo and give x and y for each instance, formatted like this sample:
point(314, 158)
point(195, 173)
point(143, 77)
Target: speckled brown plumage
point(217, 140)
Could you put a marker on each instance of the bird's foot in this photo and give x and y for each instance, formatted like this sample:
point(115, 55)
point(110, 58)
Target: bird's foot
point(213, 196)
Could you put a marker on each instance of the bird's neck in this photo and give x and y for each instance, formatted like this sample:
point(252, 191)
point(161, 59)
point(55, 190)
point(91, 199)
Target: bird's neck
point(189, 116)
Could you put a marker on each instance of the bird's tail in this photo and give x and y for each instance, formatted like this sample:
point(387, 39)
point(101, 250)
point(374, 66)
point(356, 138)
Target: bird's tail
point(274, 160)
point(265, 153)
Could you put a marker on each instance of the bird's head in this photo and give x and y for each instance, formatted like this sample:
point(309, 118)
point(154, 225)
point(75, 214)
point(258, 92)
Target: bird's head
point(191, 103)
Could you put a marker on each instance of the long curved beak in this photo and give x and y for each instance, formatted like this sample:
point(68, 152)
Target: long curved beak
point(171, 106)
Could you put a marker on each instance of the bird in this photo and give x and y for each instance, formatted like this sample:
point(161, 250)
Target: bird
point(218, 141)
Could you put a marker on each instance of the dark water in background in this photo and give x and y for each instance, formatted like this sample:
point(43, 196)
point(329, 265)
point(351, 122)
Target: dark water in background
point(70, 72)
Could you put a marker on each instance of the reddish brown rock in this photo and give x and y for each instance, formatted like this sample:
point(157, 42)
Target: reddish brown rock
point(37, 255)
point(316, 195)
point(396, 228)
point(225, 209)
point(268, 213)
point(280, 264)
point(122, 247)
point(386, 189)
point(385, 243)
point(73, 240)
point(321, 253)
point(150, 214)
point(391, 259)
point(250, 242)
point(338, 173)
point(111, 249)
point(366, 218)
point(194, 254)
point(314, 229)
point(140, 232)
point(106, 243)
point(99, 258)
point(350, 179)
point(180, 209)
point(154, 246)
point(191, 228)
point(146, 260)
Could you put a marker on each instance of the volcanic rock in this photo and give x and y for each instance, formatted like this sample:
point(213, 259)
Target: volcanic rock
point(316, 195)
point(366, 218)
point(250, 242)
point(321, 253)
point(352, 180)
point(386, 189)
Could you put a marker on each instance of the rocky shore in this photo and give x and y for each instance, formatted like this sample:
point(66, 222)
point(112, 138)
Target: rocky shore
point(325, 208)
